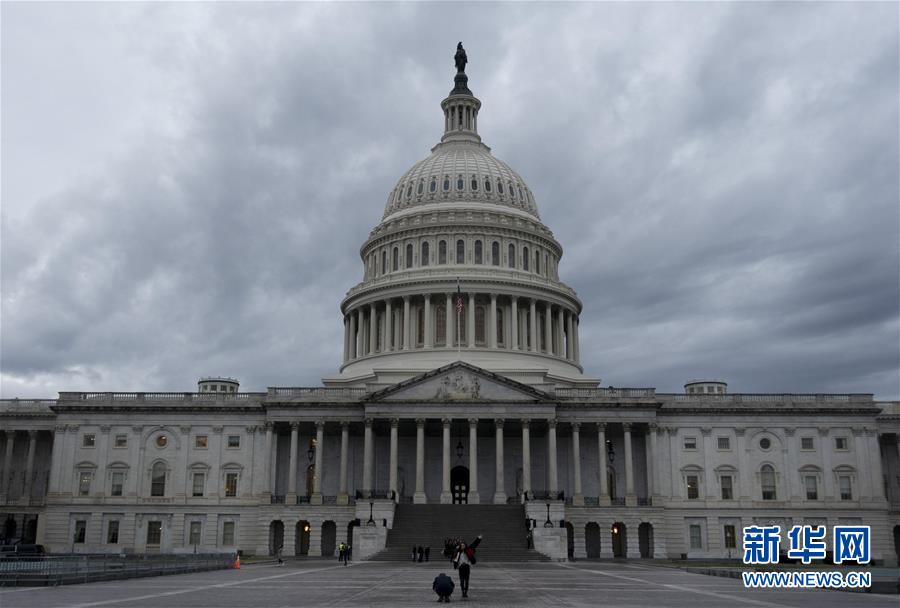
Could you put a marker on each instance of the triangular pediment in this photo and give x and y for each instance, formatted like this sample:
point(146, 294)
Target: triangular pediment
point(459, 381)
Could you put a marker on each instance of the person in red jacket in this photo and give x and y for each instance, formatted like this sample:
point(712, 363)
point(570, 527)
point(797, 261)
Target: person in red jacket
point(464, 560)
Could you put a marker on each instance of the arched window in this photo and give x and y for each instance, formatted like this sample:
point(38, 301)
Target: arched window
point(446, 184)
point(158, 479)
point(440, 325)
point(433, 185)
point(767, 481)
point(537, 262)
point(511, 262)
point(424, 259)
point(442, 252)
point(460, 252)
point(512, 191)
point(474, 183)
point(420, 188)
point(383, 262)
point(499, 186)
point(500, 341)
point(395, 262)
point(478, 253)
point(409, 255)
point(487, 184)
point(460, 182)
point(495, 253)
point(524, 258)
point(408, 191)
point(420, 326)
point(479, 325)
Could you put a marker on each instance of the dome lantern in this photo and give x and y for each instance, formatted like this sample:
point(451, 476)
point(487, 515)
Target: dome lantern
point(461, 106)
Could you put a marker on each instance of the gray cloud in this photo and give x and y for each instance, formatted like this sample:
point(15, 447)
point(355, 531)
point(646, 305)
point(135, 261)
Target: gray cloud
point(186, 187)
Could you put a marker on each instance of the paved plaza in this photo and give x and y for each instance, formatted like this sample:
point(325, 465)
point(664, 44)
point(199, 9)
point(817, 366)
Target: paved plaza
point(324, 583)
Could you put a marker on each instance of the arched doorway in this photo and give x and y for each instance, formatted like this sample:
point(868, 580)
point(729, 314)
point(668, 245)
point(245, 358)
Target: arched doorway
point(619, 544)
point(276, 536)
point(30, 532)
point(592, 539)
point(570, 540)
point(645, 539)
point(459, 484)
point(329, 538)
point(9, 530)
point(301, 538)
point(350, 526)
point(897, 541)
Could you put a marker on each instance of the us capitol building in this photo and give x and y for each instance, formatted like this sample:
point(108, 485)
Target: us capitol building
point(461, 384)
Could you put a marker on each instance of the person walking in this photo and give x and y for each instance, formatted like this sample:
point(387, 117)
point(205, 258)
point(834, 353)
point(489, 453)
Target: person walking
point(443, 585)
point(414, 553)
point(278, 555)
point(465, 559)
point(342, 549)
point(421, 553)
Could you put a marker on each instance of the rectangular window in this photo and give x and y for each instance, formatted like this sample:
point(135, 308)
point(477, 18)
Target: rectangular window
point(727, 489)
point(812, 487)
point(88, 440)
point(112, 533)
point(201, 442)
point(234, 441)
point(80, 531)
point(696, 536)
point(730, 537)
point(231, 480)
point(693, 487)
point(154, 532)
point(84, 483)
point(118, 483)
point(690, 443)
point(194, 538)
point(723, 443)
point(228, 534)
point(807, 443)
point(846, 487)
point(121, 441)
point(840, 443)
point(199, 481)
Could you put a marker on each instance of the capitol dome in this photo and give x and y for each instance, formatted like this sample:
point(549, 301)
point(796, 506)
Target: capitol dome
point(461, 268)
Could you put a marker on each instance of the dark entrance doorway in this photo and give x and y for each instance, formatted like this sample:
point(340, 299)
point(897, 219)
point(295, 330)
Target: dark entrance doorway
point(570, 540)
point(592, 540)
point(276, 536)
point(301, 540)
point(897, 541)
point(459, 485)
point(619, 539)
point(329, 538)
point(645, 539)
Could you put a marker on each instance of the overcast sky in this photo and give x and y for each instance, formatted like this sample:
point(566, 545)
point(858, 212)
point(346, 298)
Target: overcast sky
point(185, 187)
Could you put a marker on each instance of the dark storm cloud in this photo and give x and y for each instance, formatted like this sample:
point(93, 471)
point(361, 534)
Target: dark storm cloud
point(186, 187)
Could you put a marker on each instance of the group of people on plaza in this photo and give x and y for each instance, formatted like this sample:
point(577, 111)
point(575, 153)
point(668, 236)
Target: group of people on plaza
point(420, 554)
point(462, 556)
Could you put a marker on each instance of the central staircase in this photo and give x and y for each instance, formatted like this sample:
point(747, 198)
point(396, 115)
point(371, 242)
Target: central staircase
point(502, 526)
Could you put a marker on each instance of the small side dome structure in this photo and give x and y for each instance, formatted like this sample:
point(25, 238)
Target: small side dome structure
point(218, 384)
point(706, 387)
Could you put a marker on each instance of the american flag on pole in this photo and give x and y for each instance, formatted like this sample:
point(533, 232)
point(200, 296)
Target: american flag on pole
point(459, 299)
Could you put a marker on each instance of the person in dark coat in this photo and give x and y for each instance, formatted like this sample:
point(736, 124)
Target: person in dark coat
point(421, 553)
point(414, 553)
point(443, 585)
point(427, 552)
point(465, 559)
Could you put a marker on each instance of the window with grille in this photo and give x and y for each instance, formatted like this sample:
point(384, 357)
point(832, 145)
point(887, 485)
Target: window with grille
point(80, 531)
point(727, 489)
point(524, 258)
point(231, 482)
point(460, 252)
point(495, 253)
point(197, 484)
point(154, 532)
point(479, 325)
point(112, 532)
point(158, 480)
point(409, 255)
point(730, 537)
point(511, 262)
point(194, 536)
point(84, 483)
point(442, 252)
point(479, 258)
point(425, 253)
point(118, 483)
point(846, 487)
point(767, 480)
point(696, 536)
point(693, 487)
point(812, 487)
point(440, 323)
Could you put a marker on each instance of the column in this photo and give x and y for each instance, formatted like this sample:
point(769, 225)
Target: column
point(373, 329)
point(419, 496)
point(602, 474)
point(576, 350)
point(316, 498)
point(405, 323)
point(526, 458)
point(388, 327)
point(59, 436)
point(267, 463)
point(474, 497)
point(449, 318)
point(292, 468)
point(827, 471)
point(7, 461)
point(29, 468)
point(470, 321)
point(863, 476)
point(352, 343)
point(569, 340)
point(499, 484)
point(708, 463)
point(514, 323)
point(654, 478)
point(577, 497)
point(532, 326)
point(558, 350)
point(553, 472)
point(346, 338)
point(368, 458)
point(342, 498)
point(548, 328)
point(392, 471)
point(446, 496)
point(429, 330)
point(875, 465)
point(791, 466)
point(492, 331)
point(630, 498)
